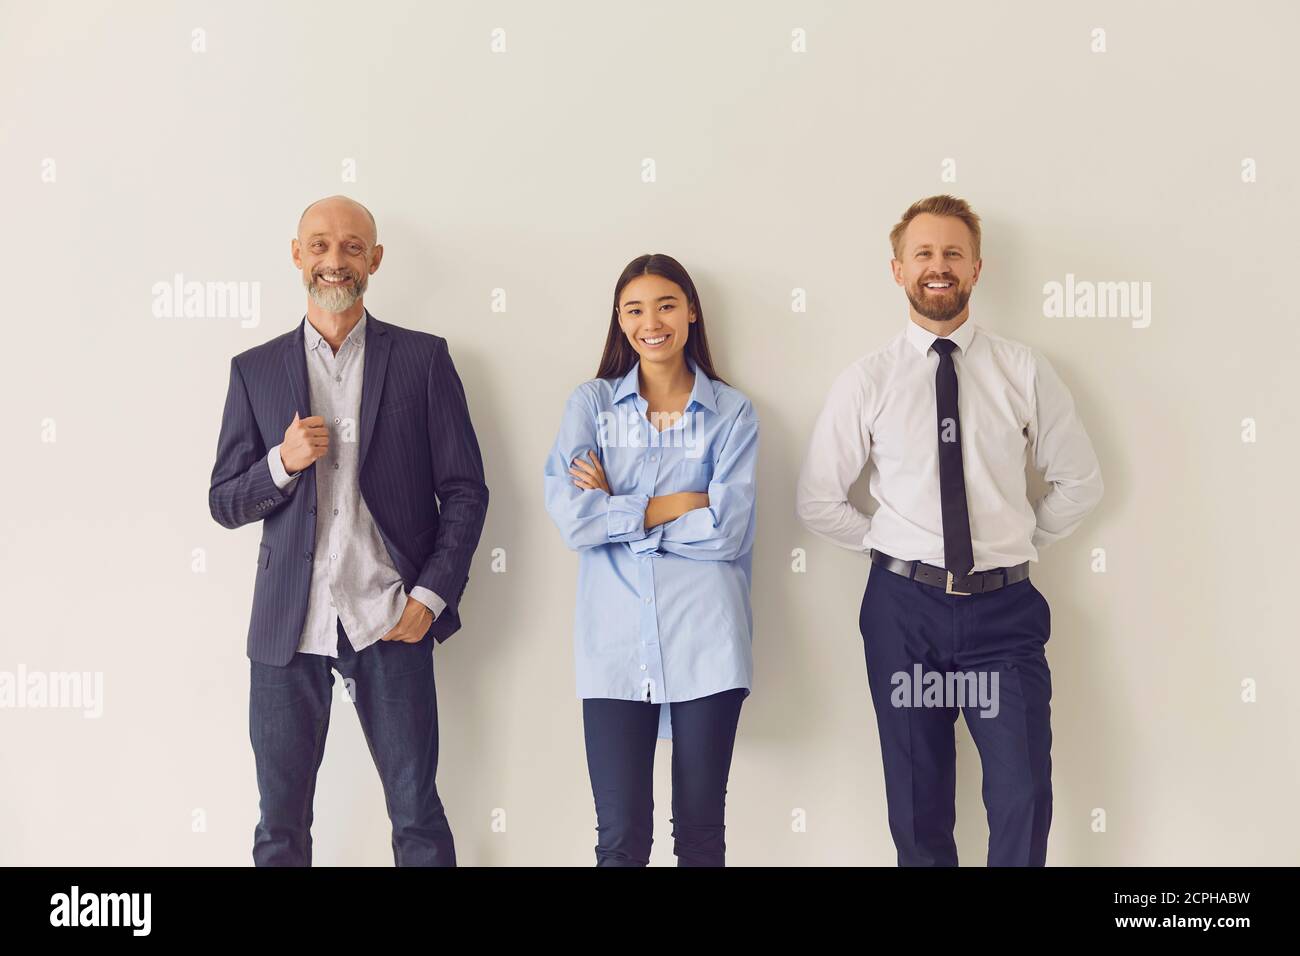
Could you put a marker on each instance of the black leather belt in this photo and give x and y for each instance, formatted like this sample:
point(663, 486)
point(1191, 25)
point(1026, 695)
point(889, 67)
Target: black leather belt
point(977, 582)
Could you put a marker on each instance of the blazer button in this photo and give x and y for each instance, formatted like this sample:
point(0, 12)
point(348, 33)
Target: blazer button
point(307, 555)
point(311, 510)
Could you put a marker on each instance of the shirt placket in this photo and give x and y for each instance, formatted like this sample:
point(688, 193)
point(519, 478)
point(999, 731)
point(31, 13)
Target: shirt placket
point(650, 650)
point(333, 367)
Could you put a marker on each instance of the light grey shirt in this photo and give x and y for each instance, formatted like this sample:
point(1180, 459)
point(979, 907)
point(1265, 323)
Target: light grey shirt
point(353, 578)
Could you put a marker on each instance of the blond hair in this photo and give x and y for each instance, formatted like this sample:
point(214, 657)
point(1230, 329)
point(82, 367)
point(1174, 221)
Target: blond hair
point(938, 206)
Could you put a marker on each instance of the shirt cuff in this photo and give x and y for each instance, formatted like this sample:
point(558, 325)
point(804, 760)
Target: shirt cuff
point(279, 475)
point(627, 517)
point(1041, 538)
point(429, 600)
point(649, 544)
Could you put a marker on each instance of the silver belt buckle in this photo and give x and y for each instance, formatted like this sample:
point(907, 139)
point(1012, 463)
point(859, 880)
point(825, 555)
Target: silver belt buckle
point(948, 588)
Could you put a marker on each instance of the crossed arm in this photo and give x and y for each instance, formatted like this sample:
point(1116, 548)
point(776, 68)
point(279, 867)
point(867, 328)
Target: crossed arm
point(716, 525)
point(660, 509)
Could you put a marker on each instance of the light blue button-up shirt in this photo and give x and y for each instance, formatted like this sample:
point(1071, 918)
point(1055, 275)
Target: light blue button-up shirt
point(662, 615)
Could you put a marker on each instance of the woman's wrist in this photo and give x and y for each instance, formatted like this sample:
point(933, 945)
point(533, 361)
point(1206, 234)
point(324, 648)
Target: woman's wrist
point(665, 508)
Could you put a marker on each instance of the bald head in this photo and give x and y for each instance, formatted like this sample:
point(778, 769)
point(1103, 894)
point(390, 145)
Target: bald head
point(341, 211)
point(337, 250)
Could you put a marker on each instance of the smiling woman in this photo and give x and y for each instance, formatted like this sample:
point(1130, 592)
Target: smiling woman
point(651, 480)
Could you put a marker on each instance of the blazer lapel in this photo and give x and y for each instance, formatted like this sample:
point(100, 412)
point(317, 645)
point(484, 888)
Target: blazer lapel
point(295, 366)
point(372, 383)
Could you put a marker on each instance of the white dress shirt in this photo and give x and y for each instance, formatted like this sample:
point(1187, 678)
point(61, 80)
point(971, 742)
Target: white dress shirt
point(352, 576)
point(882, 409)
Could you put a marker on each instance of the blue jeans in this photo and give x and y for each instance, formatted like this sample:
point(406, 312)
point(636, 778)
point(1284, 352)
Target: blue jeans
point(621, 737)
point(391, 685)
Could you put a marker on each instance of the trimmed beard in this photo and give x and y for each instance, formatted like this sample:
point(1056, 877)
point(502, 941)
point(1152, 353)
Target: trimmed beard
point(936, 308)
point(335, 298)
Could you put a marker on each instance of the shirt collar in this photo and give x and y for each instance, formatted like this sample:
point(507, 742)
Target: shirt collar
point(922, 340)
point(702, 393)
point(357, 336)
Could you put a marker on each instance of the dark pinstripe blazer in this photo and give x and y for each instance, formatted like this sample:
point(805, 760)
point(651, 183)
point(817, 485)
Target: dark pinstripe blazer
point(420, 474)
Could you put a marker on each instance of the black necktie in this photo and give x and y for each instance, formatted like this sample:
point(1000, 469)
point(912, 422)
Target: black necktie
point(958, 556)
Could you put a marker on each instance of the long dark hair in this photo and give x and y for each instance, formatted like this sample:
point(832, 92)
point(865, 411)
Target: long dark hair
point(619, 355)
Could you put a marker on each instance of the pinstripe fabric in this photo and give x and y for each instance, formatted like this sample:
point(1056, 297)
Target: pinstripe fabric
point(420, 473)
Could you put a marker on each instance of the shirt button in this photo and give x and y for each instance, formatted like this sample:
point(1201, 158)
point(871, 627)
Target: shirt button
point(336, 466)
point(654, 457)
point(336, 510)
point(333, 557)
point(647, 600)
point(643, 667)
point(337, 420)
point(338, 378)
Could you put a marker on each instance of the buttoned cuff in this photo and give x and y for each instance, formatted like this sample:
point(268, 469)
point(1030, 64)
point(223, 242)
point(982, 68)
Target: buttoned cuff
point(429, 600)
point(626, 520)
point(279, 475)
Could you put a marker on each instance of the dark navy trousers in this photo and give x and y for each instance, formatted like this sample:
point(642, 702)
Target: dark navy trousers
point(621, 737)
point(905, 623)
point(391, 686)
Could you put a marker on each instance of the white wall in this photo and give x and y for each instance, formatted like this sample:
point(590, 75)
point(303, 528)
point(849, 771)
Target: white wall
point(521, 170)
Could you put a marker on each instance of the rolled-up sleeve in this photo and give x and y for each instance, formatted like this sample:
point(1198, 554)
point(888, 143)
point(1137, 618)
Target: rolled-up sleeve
point(587, 517)
point(725, 529)
point(626, 521)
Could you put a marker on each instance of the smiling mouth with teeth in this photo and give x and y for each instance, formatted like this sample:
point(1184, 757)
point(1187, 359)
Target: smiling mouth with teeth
point(334, 279)
point(938, 286)
point(655, 341)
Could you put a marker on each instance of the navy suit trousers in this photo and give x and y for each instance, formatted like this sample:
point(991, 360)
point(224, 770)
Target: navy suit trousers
point(994, 641)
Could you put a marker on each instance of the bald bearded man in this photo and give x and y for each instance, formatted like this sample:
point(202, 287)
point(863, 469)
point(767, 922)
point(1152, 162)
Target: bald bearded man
point(350, 440)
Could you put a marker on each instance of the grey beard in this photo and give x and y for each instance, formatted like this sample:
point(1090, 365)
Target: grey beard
point(335, 298)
